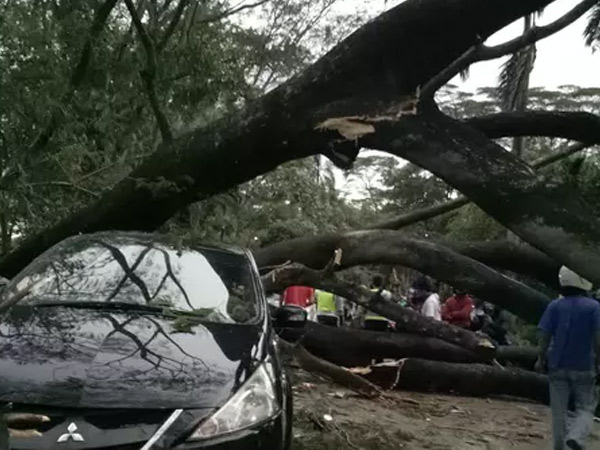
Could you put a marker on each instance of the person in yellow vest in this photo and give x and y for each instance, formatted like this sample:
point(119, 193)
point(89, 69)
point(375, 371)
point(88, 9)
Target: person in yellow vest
point(374, 321)
point(328, 308)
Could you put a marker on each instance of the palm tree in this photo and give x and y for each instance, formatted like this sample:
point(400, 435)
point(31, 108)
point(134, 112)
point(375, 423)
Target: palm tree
point(513, 86)
point(592, 31)
point(513, 89)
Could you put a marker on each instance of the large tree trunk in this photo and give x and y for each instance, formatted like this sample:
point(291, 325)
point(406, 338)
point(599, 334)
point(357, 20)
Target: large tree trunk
point(350, 347)
point(549, 216)
point(523, 357)
point(463, 379)
point(370, 71)
point(393, 247)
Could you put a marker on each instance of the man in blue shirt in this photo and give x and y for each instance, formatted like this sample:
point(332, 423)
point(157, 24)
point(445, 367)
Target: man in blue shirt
point(569, 351)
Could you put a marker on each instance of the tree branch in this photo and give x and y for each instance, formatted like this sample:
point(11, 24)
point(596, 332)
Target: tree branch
point(77, 75)
point(406, 319)
point(69, 185)
point(421, 215)
point(232, 11)
point(547, 214)
point(149, 74)
point(172, 25)
point(577, 126)
point(357, 77)
point(535, 33)
point(480, 52)
point(457, 66)
point(395, 248)
point(518, 258)
point(312, 363)
point(430, 212)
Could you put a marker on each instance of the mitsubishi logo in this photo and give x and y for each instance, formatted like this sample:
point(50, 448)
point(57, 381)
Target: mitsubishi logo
point(71, 434)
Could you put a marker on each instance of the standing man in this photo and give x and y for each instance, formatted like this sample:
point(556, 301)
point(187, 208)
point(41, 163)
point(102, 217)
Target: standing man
point(457, 309)
point(570, 351)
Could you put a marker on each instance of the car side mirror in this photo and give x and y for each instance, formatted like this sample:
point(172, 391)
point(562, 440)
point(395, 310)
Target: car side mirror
point(289, 317)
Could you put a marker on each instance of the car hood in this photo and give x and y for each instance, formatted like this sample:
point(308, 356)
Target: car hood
point(82, 358)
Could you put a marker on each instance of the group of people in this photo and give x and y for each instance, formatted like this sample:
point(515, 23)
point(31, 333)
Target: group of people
point(459, 309)
point(569, 339)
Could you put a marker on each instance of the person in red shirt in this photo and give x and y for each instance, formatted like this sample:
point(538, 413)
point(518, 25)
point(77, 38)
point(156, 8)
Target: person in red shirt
point(457, 309)
point(302, 296)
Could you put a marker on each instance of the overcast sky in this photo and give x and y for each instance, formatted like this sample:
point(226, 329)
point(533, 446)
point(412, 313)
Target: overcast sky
point(561, 59)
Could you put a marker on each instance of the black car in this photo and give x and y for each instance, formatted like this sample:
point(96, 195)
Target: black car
point(136, 341)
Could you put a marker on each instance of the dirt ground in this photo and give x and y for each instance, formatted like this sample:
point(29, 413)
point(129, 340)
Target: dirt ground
point(328, 417)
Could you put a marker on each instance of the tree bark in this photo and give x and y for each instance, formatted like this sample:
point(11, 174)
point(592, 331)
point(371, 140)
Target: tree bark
point(392, 247)
point(406, 319)
point(350, 347)
point(523, 357)
point(464, 379)
point(505, 255)
point(311, 363)
point(420, 215)
point(430, 212)
point(547, 215)
point(5, 233)
point(372, 70)
point(578, 126)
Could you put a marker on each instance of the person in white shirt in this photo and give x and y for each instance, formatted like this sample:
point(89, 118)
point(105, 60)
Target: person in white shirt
point(432, 307)
point(426, 300)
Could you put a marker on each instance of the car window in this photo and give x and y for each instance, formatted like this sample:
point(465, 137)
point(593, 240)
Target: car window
point(216, 284)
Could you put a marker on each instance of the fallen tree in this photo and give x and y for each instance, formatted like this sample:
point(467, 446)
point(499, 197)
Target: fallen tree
point(395, 248)
point(547, 215)
point(464, 379)
point(365, 74)
point(518, 258)
point(351, 347)
point(499, 254)
point(311, 363)
point(406, 319)
point(430, 212)
point(523, 357)
point(448, 368)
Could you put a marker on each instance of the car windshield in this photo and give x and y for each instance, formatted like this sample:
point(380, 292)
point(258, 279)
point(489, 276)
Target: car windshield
point(122, 270)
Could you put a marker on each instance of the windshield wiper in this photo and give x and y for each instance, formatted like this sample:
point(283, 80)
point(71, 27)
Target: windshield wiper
point(103, 305)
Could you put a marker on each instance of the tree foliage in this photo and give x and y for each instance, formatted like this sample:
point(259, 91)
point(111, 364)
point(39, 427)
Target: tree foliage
point(75, 116)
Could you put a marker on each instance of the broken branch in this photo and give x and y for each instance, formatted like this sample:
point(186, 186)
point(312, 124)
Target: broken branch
point(337, 374)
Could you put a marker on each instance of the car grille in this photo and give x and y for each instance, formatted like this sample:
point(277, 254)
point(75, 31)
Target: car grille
point(104, 419)
point(118, 420)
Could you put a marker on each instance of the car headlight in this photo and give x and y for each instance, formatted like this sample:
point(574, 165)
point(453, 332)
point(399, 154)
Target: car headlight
point(253, 403)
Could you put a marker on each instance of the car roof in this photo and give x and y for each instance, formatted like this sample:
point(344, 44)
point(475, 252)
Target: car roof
point(159, 238)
